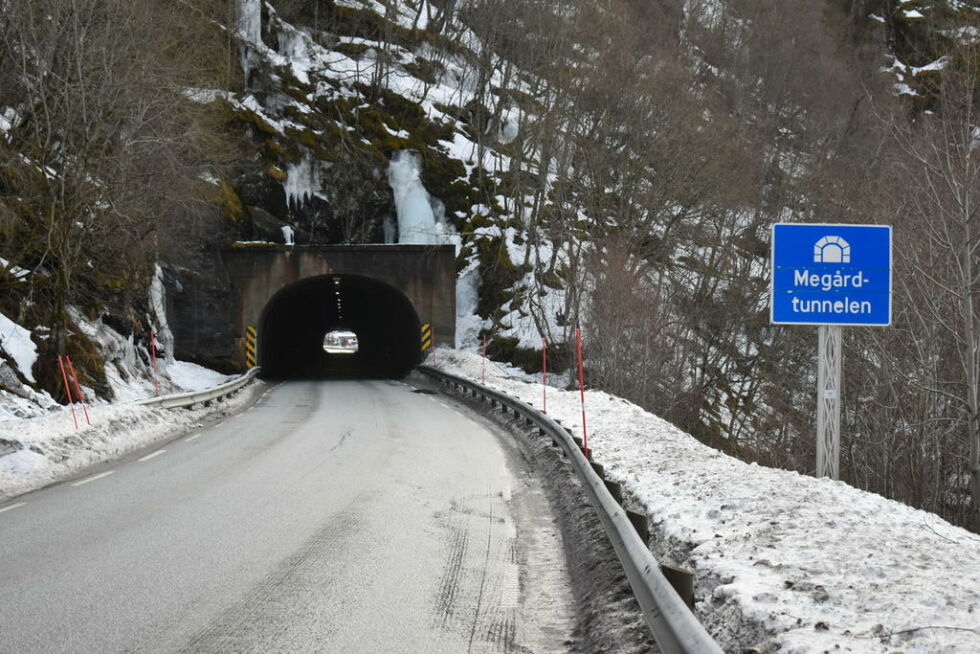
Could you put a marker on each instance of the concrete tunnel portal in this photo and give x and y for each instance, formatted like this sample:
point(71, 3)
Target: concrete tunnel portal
point(290, 297)
point(296, 319)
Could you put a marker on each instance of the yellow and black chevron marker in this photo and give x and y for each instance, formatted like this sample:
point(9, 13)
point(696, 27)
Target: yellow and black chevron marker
point(250, 346)
point(426, 336)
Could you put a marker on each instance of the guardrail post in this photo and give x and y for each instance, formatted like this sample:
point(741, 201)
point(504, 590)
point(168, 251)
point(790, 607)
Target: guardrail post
point(640, 523)
point(683, 582)
point(615, 489)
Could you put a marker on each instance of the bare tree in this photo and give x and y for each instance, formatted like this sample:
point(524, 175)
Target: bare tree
point(110, 145)
point(940, 166)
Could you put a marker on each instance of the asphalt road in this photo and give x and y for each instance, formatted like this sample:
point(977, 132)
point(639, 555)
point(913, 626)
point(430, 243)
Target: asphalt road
point(341, 516)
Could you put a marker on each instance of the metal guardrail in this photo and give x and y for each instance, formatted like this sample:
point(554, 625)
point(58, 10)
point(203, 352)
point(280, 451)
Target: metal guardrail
point(674, 627)
point(196, 397)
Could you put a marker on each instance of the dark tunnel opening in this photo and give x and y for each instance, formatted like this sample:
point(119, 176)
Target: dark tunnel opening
point(296, 319)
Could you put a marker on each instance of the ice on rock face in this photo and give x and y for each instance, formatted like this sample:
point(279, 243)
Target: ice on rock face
point(158, 304)
point(16, 342)
point(288, 235)
point(303, 180)
point(249, 14)
point(468, 323)
point(391, 234)
point(416, 219)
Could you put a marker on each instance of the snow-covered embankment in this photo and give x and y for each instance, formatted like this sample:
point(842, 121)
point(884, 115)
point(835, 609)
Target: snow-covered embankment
point(784, 562)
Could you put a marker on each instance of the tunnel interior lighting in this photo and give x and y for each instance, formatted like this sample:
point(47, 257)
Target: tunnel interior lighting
point(302, 333)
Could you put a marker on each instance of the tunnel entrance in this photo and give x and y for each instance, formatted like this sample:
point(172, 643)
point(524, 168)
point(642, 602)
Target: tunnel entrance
point(296, 320)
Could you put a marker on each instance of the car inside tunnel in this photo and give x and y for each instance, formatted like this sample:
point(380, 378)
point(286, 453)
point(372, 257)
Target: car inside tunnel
point(297, 320)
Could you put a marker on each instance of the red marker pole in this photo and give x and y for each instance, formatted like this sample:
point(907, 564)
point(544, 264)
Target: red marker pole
point(64, 378)
point(544, 374)
point(153, 362)
point(78, 388)
point(581, 388)
point(484, 358)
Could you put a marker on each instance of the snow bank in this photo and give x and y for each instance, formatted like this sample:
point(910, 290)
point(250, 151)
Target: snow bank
point(192, 377)
point(784, 562)
point(39, 451)
point(39, 443)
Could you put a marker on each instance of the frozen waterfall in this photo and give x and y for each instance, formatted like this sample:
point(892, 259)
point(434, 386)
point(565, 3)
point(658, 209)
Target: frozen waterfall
point(416, 219)
point(249, 14)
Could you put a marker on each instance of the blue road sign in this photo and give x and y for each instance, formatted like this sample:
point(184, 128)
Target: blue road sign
point(831, 274)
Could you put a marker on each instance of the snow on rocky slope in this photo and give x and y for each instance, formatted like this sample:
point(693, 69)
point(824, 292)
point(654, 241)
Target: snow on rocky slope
point(784, 562)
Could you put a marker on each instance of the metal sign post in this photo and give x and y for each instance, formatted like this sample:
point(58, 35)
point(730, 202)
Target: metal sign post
point(831, 276)
point(544, 374)
point(828, 401)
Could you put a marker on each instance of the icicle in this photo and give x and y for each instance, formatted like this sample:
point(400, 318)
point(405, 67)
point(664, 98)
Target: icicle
point(249, 15)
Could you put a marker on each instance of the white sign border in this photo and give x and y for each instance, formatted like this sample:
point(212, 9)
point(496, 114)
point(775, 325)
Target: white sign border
point(772, 277)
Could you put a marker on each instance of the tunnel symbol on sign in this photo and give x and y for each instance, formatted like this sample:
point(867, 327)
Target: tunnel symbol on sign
point(832, 249)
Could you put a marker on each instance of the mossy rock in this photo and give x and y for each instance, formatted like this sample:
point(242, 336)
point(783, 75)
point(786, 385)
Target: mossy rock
point(481, 220)
point(425, 69)
point(433, 132)
point(365, 24)
point(249, 119)
point(299, 91)
point(308, 119)
point(305, 137)
point(463, 258)
point(276, 173)
point(86, 359)
point(229, 201)
point(353, 50)
point(526, 101)
point(458, 113)
point(497, 275)
point(371, 123)
point(551, 279)
point(407, 113)
point(516, 183)
point(479, 116)
point(508, 349)
point(272, 149)
point(441, 176)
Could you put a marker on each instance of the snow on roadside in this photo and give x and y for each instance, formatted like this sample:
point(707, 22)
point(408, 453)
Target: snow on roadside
point(50, 449)
point(39, 443)
point(784, 562)
point(192, 377)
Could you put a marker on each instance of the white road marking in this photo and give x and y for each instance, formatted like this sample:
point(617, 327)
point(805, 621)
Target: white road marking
point(12, 507)
point(190, 438)
point(151, 455)
point(93, 478)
